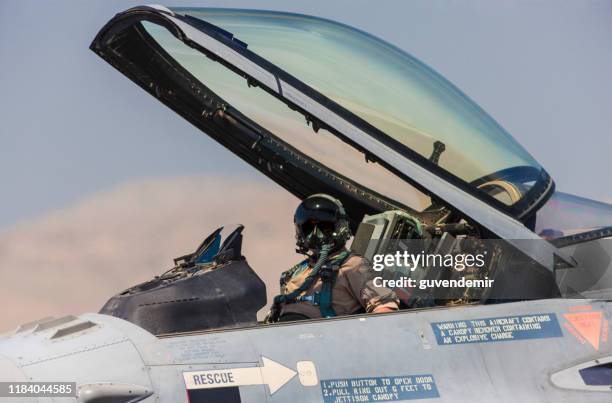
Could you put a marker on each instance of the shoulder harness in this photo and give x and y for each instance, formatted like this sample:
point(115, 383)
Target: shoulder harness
point(325, 269)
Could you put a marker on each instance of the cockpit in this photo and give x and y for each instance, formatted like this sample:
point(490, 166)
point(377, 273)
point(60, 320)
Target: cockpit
point(320, 107)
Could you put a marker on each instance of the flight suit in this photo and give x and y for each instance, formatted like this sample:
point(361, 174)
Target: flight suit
point(353, 291)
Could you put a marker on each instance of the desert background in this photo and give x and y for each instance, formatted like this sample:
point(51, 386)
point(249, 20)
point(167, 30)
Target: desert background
point(74, 259)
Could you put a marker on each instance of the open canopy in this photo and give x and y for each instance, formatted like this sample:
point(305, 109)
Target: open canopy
point(260, 82)
point(384, 86)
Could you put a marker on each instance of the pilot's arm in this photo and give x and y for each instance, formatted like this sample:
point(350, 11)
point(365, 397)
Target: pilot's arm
point(360, 277)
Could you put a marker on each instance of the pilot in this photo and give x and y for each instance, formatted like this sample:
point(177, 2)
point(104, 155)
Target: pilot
point(331, 281)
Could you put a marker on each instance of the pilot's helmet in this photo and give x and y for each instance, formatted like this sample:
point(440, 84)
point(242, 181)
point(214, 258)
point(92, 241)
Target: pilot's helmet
point(320, 220)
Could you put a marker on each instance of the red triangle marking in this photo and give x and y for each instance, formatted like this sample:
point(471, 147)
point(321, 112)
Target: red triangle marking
point(588, 324)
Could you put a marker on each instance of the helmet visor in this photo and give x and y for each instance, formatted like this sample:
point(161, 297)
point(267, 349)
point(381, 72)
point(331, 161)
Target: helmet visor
point(317, 212)
point(326, 227)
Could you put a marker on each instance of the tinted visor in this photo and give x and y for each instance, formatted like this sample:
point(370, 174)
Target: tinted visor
point(319, 212)
point(327, 227)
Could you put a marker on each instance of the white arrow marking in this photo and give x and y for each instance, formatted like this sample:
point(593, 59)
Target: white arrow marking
point(271, 373)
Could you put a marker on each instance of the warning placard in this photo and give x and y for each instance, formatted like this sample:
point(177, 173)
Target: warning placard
point(587, 325)
point(505, 328)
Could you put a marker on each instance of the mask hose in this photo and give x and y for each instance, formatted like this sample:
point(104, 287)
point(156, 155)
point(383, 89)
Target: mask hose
point(291, 297)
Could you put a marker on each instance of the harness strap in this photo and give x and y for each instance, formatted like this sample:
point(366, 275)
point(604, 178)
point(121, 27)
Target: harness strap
point(328, 279)
point(323, 269)
point(290, 298)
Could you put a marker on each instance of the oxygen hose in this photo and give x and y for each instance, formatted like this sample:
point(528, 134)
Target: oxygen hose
point(325, 249)
point(291, 297)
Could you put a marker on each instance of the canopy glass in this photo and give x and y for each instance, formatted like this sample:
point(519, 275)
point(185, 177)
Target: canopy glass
point(386, 87)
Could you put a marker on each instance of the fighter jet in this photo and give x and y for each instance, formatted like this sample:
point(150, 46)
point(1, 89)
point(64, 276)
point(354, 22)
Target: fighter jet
point(321, 107)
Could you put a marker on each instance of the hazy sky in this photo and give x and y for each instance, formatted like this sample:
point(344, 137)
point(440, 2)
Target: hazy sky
point(72, 125)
